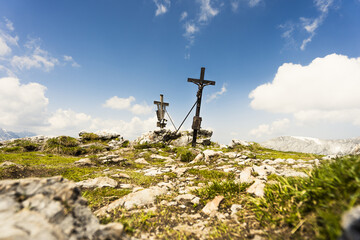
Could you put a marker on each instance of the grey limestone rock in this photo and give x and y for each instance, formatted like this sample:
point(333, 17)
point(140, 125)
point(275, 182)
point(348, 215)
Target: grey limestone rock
point(48, 208)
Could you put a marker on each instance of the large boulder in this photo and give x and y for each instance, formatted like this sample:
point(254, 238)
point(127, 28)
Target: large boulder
point(49, 208)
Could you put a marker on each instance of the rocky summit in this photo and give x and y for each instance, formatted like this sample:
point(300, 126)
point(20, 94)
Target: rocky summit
point(102, 186)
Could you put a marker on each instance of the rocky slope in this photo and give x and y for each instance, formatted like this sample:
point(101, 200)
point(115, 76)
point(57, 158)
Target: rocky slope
point(146, 189)
point(314, 145)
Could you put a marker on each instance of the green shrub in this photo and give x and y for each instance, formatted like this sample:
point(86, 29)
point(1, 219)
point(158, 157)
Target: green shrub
point(150, 145)
point(185, 154)
point(89, 137)
point(64, 145)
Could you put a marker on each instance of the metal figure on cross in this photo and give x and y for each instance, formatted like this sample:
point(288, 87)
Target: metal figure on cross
point(197, 119)
point(160, 112)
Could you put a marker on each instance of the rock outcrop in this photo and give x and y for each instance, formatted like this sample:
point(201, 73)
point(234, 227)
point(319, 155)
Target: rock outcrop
point(179, 139)
point(49, 208)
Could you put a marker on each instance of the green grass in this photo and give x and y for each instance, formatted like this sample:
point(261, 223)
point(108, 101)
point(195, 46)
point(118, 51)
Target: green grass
point(37, 158)
point(211, 175)
point(184, 154)
point(100, 197)
point(228, 189)
point(311, 206)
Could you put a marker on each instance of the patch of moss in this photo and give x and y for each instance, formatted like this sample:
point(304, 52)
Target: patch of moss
point(100, 197)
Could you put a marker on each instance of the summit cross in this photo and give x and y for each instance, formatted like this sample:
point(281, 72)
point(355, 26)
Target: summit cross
point(197, 119)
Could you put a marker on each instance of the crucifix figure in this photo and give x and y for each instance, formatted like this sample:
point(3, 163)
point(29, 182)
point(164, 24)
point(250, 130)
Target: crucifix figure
point(197, 119)
point(160, 112)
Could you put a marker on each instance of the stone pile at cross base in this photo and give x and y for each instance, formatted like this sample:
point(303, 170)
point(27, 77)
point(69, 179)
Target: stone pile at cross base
point(178, 139)
point(51, 209)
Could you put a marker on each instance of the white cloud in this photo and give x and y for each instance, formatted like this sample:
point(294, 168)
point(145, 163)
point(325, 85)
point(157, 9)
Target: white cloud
point(326, 89)
point(307, 25)
point(217, 94)
point(253, 3)
point(71, 60)
point(183, 16)
point(22, 105)
point(207, 12)
point(139, 109)
point(35, 61)
point(69, 122)
point(4, 48)
point(190, 28)
point(269, 129)
point(9, 25)
point(162, 6)
point(126, 104)
point(234, 5)
point(119, 103)
point(38, 58)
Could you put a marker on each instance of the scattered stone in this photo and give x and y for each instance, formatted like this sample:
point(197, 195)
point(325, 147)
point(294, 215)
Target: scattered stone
point(136, 199)
point(120, 175)
point(235, 208)
point(292, 173)
point(246, 176)
point(350, 223)
point(7, 164)
point(141, 161)
point(236, 142)
point(257, 188)
point(84, 162)
point(99, 182)
point(212, 206)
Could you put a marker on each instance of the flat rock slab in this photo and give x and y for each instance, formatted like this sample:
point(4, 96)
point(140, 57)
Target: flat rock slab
point(257, 188)
point(212, 206)
point(246, 175)
point(99, 182)
point(132, 200)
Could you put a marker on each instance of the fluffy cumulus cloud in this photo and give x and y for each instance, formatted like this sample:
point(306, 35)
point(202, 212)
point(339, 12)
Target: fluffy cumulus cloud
point(127, 104)
point(326, 89)
point(217, 94)
point(277, 126)
point(162, 6)
point(21, 105)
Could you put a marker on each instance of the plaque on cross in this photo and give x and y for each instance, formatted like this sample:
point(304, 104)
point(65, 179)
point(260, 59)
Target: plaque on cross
point(197, 119)
point(160, 112)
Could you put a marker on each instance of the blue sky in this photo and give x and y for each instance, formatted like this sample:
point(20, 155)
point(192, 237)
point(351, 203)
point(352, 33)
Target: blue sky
point(281, 67)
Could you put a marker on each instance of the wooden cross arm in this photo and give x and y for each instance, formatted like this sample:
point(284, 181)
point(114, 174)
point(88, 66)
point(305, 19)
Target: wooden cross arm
point(199, 81)
point(164, 103)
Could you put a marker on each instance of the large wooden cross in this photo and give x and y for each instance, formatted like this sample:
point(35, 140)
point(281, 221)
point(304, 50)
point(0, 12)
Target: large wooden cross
point(160, 113)
point(197, 119)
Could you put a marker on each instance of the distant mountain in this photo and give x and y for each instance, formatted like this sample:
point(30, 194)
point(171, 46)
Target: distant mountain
point(7, 135)
point(314, 145)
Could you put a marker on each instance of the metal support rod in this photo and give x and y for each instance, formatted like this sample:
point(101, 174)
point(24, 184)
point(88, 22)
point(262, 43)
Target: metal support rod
point(171, 119)
point(186, 117)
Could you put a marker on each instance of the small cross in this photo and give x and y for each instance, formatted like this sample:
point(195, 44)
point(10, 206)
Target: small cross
point(160, 113)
